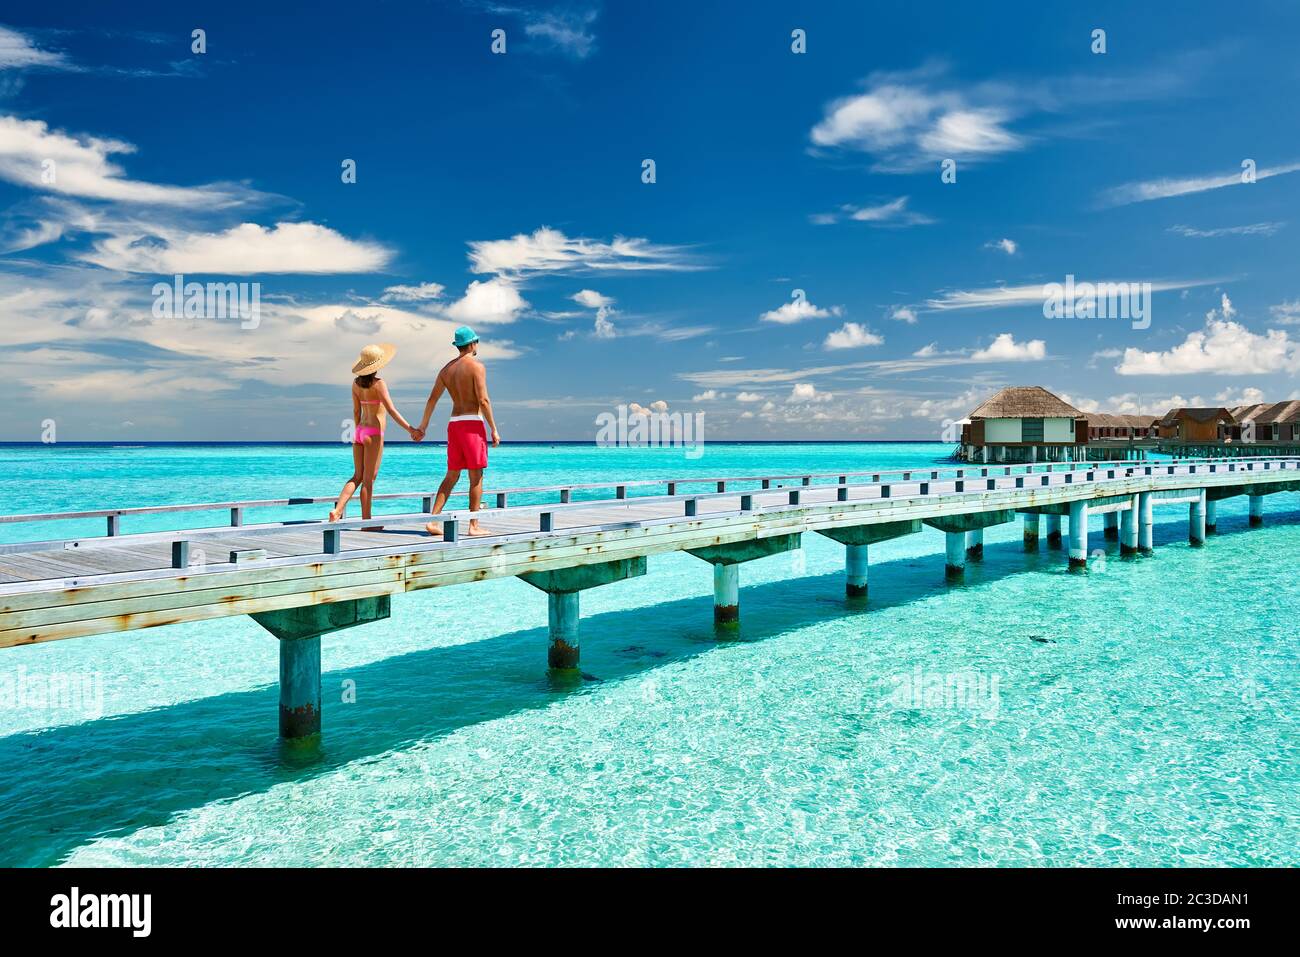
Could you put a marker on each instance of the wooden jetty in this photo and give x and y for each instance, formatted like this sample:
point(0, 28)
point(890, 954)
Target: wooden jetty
point(300, 580)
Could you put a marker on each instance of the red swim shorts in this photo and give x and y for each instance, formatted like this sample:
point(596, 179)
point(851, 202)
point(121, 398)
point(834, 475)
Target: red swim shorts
point(466, 444)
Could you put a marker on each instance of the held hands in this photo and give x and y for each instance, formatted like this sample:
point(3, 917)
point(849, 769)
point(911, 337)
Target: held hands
point(496, 438)
point(417, 434)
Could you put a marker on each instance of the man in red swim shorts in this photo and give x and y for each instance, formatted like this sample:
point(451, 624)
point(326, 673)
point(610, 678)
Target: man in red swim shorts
point(465, 379)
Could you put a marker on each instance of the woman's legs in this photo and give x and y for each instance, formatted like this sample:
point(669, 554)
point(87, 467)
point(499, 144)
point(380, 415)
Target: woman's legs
point(373, 455)
point(349, 487)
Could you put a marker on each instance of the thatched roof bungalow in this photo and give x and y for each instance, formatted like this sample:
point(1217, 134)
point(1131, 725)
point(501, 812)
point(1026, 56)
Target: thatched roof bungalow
point(1024, 424)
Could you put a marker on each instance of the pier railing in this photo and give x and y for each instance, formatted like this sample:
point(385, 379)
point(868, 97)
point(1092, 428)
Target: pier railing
point(883, 482)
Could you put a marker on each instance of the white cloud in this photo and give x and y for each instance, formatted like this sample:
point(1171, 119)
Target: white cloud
point(591, 299)
point(708, 395)
point(967, 133)
point(1252, 229)
point(602, 326)
point(18, 52)
point(1145, 190)
point(548, 250)
point(81, 167)
point(567, 31)
point(748, 397)
point(1029, 294)
point(807, 392)
point(1008, 246)
point(1004, 348)
point(892, 213)
point(1245, 396)
point(939, 409)
point(905, 124)
point(351, 321)
point(245, 249)
point(1225, 310)
point(1286, 313)
point(418, 293)
point(1223, 347)
point(797, 310)
point(904, 314)
point(488, 301)
point(927, 350)
point(852, 335)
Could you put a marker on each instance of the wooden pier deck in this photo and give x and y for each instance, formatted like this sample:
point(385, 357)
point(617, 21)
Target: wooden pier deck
point(304, 579)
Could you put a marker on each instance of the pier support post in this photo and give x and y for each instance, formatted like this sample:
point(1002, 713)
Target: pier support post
point(562, 586)
point(726, 594)
point(1053, 531)
point(955, 550)
point(1128, 529)
point(1256, 511)
point(1031, 524)
point(856, 539)
point(963, 530)
point(1145, 523)
point(300, 689)
point(563, 610)
point(726, 561)
point(299, 631)
point(1078, 535)
point(855, 571)
point(1196, 521)
point(1211, 517)
point(1110, 526)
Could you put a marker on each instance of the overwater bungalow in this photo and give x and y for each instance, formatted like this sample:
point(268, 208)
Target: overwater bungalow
point(1024, 424)
point(1276, 422)
point(1207, 425)
point(1105, 426)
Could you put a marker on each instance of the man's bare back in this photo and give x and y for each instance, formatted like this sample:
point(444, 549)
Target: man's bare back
point(463, 377)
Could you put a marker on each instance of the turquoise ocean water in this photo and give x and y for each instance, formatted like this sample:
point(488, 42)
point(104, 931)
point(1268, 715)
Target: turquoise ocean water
point(1141, 714)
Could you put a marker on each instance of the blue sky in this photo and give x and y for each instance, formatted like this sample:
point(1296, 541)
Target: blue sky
point(507, 190)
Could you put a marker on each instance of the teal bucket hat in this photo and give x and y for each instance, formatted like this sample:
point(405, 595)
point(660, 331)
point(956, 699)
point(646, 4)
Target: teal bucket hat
point(464, 336)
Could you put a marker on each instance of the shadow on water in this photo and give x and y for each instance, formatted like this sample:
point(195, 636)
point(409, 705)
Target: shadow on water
point(119, 774)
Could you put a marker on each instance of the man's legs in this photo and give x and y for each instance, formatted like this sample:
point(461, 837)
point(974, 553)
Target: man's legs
point(444, 492)
point(475, 499)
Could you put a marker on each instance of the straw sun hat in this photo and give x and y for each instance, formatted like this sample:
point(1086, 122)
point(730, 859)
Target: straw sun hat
point(373, 358)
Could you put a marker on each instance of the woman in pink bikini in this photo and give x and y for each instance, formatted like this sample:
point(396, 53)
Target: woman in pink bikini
point(370, 400)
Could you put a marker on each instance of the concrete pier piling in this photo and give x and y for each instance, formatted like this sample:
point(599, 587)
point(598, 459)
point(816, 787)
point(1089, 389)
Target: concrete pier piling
point(856, 539)
point(726, 561)
point(1145, 523)
point(1211, 517)
point(300, 690)
point(975, 545)
point(1031, 523)
point(1110, 526)
point(955, 552)
point(1196, 520)
point(855, 571)
point(1053, 531)
point(1256, 511)
point(299, 631)
point(1078, 536)
point(726, 594)
point(1128, 529)
point(563, 608)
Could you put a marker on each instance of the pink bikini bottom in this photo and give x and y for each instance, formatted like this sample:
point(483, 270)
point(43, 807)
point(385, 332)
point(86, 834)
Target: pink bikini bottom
point(364, 432)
